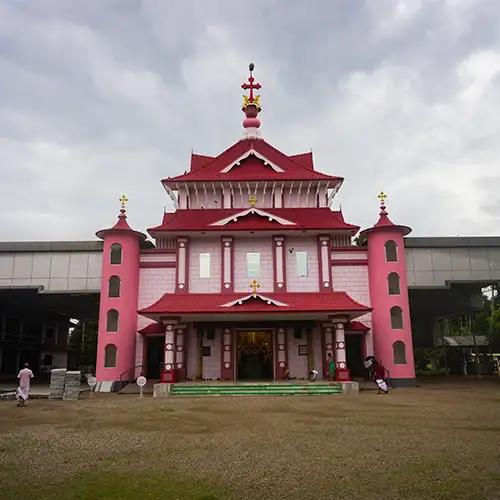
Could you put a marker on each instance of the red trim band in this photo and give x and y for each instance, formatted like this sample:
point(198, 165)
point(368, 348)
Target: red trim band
point(157, 265)
point(349, 262)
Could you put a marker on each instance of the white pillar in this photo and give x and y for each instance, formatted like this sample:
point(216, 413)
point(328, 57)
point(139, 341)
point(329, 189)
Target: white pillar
point(340, 355)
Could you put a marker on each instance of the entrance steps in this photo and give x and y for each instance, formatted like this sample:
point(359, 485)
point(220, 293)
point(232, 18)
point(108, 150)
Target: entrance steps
point(256, 389)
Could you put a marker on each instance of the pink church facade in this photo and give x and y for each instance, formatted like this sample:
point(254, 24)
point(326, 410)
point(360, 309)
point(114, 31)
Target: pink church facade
point(253, 276)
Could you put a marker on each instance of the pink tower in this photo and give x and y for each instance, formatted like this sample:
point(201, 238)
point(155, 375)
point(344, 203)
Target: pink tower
point(118, 306)
point(391, 324)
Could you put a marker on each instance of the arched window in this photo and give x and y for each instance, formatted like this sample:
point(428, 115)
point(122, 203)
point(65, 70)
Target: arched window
point(112, 321)
point(114, 286)
point(396, 317)
point(393, 283)
point(399, 352)
point(110, 356)
point(391, 251)
point(116, 253)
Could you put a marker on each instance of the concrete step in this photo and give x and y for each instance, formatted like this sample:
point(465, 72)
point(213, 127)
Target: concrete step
point(254, 389)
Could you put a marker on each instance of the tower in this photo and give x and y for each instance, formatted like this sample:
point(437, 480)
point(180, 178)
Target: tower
point(118, 305)
point(392, 337)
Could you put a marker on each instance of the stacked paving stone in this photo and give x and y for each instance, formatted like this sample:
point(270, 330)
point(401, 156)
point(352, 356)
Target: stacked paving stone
point(57, 381)
point(72, 386)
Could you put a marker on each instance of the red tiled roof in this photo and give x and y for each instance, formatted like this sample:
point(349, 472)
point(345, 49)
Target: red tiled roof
point(297, 167)
point(356, 326)
point(153, 328)
point(304, 218)
point(121, 226)
point(214, 303)
point(385, 223)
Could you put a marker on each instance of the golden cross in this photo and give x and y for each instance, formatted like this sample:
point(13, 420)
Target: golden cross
point(123, 200)
point(252, 200)
point(254, 285)
point(382, 196)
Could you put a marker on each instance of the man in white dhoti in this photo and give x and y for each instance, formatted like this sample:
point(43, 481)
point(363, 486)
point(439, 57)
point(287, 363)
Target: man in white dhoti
point(23, 391)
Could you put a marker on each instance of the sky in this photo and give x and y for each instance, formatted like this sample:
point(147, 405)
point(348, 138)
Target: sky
point(105, 97)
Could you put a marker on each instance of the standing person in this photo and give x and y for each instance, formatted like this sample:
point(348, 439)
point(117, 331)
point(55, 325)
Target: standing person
point(331, 367)
point(23, 391)
point(379, 377)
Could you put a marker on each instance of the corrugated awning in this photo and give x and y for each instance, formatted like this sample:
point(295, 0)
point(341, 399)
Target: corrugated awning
point(464, 341)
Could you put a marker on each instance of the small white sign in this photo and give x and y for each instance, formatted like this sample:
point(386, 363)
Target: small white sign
point(141, 381)
point(92, 381)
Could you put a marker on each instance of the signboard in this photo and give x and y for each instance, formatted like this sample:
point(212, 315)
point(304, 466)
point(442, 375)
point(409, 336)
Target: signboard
point(141, 382)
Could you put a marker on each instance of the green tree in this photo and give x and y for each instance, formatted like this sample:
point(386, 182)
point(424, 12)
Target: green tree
point(83, 344)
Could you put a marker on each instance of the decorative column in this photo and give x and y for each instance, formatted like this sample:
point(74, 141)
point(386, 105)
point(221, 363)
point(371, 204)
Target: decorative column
point(325, 267)
point(328, 347)
point(279, 263)
point(227, 265)
point(180, 353)
point(181, 277)
point(169, 354)
point(343, 372)
point(227, 368)
point(281, 350)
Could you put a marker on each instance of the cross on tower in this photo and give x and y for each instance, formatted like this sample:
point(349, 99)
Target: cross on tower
point(382, 196)
point(123, 200)
point(254, 285)
point(250, 86)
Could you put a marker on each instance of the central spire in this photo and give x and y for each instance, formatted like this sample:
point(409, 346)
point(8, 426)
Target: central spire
point(251, 106)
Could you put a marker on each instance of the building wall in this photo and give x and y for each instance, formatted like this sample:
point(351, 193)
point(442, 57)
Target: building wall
point(241, 247)
point(354, 280)
point(205, 285)
point(153, 283)
point(309, 283)
point(54, 271)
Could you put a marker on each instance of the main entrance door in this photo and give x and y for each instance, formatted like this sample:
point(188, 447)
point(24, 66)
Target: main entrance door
point(255, 355)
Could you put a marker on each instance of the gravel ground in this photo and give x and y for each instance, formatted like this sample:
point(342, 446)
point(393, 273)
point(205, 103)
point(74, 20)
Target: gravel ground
point(436, 441)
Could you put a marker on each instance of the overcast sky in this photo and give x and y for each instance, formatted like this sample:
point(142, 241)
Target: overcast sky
point(101, 97)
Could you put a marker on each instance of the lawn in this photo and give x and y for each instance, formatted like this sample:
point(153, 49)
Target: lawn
point(441, 440)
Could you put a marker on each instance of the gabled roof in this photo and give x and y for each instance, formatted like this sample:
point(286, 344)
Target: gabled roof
point(251, 159)
point(321, 219)
point(229, 303)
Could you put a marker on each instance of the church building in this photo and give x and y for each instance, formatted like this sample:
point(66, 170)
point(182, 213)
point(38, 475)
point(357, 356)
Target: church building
point(253, 276)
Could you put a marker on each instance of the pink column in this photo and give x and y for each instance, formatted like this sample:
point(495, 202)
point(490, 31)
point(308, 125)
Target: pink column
point(281, 353)
point(182, 280)
point(227, 349)
point(279, 263)
point(227, 265)
point(324, 262)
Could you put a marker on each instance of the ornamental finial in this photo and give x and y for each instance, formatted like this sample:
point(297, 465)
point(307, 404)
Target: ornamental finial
point(251, 104)
point(123, 201)
point(254, 285)
point(382, 197)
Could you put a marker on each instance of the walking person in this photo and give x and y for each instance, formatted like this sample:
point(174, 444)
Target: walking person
point(23, 391)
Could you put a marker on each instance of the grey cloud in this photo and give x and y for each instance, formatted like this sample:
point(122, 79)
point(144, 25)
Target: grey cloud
point(104, 97)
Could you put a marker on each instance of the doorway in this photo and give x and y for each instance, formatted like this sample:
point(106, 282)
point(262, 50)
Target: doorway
point(155, 356)
point(354, 355)
point(255, 355)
